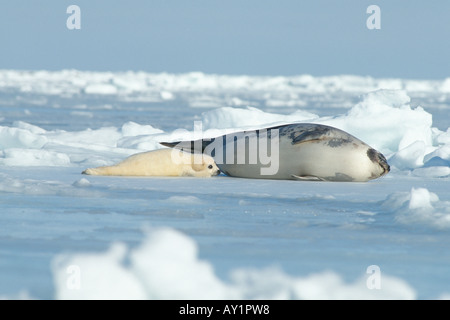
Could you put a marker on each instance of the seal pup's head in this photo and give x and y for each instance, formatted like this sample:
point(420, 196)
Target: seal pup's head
point(202, 165)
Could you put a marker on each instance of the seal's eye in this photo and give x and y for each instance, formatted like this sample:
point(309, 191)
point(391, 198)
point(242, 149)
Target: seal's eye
point(210, 166)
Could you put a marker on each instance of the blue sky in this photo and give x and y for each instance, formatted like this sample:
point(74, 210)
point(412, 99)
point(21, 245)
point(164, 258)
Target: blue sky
point(256, 37)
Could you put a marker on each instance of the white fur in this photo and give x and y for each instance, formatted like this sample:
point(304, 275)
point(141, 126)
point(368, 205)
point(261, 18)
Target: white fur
point(164, 162)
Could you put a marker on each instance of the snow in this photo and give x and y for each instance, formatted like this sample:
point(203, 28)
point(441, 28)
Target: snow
point(167, 249)
point(68, 236)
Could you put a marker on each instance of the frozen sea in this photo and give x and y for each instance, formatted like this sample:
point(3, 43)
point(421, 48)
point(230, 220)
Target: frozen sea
point(68, 236)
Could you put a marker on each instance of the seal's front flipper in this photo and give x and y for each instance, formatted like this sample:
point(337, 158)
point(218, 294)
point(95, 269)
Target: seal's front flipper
point(306, 178)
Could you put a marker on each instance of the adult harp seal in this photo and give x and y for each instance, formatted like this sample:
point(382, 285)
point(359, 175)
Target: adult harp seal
point(302, 151)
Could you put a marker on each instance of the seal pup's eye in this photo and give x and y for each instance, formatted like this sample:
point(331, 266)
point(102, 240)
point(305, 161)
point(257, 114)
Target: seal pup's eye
point(210, 166)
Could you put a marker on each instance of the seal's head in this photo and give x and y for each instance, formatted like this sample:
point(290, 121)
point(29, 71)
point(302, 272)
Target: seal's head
point(380, 167)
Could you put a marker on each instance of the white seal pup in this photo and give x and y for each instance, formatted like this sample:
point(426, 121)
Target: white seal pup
point(163, 162)
point(302, 151)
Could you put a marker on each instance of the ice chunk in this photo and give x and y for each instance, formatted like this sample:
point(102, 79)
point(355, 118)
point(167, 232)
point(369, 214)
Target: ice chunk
point(419, 207)
point(21, 138)
point(34, 157)
point(166, 266)
point(100, 88)
point(228, 117)
point(409, 157)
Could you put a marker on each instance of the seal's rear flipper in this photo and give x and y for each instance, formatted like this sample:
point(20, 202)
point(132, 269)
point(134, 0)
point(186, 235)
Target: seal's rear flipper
point(186, 146)
point(306, 178)
point(170, 144)
point(197, 146)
